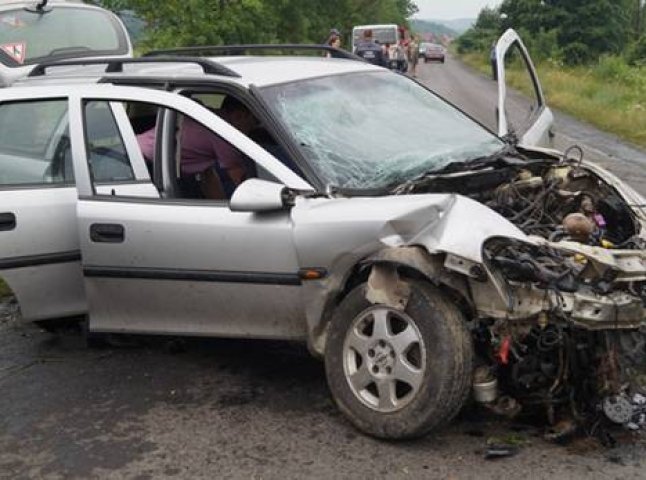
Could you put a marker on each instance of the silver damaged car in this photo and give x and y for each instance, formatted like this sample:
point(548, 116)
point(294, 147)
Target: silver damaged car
point(458, 263)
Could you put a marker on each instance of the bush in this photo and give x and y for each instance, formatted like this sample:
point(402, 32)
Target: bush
point(576, 54)
point(637, 52)
point(476, 40)
point(545, 45)
point(611, 67)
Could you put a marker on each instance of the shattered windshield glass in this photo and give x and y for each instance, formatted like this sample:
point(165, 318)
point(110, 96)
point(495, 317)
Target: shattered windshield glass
point(372, 130)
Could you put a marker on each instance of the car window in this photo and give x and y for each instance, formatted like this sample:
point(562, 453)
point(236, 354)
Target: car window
point(107, 155)
point(29, 37)
point(33, 142)
point(209, 100)
point(203, 165)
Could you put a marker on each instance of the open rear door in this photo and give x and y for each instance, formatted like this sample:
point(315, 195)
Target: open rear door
point(522, 111)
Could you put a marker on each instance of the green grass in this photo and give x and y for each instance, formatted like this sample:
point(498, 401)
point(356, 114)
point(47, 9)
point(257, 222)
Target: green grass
point(4, 289)
point(610, 95)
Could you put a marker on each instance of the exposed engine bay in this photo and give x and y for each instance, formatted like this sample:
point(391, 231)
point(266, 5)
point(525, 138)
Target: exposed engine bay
point(571, 344)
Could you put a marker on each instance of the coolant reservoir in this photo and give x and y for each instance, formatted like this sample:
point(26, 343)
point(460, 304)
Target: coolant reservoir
point(561, 174)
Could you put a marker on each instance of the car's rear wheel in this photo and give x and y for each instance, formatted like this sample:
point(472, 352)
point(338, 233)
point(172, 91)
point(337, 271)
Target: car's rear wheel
point(399, 374)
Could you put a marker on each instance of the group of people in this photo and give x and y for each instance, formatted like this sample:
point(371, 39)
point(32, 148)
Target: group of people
point(381, 54)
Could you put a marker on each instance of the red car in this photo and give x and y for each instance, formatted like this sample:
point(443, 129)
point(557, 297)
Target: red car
point(433, 52)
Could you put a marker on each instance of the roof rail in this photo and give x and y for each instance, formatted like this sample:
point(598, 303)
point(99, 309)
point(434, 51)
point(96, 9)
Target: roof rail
point(114, 65)
point(224, 50)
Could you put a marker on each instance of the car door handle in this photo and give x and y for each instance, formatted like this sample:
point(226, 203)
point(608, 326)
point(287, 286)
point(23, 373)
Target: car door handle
point(107, 233)
point(7, 221)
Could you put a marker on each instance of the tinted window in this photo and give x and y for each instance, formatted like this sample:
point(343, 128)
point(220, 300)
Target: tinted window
point(27, 37)
point(33, 142)
point(107, 156)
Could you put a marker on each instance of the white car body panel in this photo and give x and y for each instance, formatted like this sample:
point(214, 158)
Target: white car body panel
point(538, 134)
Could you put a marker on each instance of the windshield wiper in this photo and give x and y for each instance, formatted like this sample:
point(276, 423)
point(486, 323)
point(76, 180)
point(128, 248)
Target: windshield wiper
point(357, 191)
point(68, 50)
point(502, 156)
point(505, 157)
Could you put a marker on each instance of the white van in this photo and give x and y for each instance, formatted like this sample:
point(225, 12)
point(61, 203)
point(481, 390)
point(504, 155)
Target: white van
point(385, 34)
point(381, 34)
point(33, 32)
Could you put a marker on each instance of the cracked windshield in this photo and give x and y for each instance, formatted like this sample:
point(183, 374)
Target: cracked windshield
point(375, 130)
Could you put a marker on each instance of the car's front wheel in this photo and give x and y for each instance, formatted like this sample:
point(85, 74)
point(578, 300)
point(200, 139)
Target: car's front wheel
point(399, 374)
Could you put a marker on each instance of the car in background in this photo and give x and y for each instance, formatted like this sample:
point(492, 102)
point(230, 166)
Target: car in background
point(36, 32)
point(433, 52)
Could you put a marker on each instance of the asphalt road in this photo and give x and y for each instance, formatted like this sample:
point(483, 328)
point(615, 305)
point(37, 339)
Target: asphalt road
point(158, 408)
point(477, 95)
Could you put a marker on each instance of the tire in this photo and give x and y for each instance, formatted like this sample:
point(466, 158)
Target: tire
point(438, 359)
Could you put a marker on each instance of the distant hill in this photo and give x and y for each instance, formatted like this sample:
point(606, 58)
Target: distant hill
point(459, 25)
point(453, 28)
point(426, 27)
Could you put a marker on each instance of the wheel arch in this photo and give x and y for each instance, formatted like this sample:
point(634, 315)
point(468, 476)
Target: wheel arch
point(409, 262)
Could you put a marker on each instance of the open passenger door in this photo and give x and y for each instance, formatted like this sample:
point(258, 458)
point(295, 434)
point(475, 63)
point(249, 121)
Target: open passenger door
point(40, 258)
point(525, 117)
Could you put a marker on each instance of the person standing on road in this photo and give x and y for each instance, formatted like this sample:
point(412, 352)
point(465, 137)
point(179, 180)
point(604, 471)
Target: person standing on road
point(413, 56)
point(369, 50)
point(334, 41)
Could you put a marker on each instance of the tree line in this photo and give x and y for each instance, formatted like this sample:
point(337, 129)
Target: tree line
point(216, 22)
point(571, 31)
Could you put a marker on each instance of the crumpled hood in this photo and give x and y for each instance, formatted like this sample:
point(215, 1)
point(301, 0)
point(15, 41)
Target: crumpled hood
point(448, 223)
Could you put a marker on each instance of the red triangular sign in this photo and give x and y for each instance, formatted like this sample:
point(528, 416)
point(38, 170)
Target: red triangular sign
point(15, 51)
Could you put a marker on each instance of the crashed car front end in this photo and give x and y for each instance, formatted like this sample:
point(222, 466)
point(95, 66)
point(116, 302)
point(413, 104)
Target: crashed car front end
point(542, 253)
point(560, 319)
point(555, 296)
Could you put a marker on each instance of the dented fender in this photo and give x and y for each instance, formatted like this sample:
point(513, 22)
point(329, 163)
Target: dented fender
point(385, 270)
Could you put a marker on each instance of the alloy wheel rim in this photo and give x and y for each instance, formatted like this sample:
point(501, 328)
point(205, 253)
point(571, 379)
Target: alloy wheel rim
point(384, 358)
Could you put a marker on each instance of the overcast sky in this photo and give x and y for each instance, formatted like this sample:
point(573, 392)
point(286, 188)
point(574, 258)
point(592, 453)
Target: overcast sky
point(450, 9)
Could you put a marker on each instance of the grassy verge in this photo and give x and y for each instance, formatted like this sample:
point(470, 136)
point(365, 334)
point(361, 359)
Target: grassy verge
point(610, 95)
point(4, 289)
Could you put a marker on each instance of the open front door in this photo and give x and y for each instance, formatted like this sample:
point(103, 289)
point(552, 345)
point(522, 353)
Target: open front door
point(522, 112)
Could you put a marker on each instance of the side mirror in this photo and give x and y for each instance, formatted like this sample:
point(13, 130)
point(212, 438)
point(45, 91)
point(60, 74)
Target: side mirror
point(256, 195)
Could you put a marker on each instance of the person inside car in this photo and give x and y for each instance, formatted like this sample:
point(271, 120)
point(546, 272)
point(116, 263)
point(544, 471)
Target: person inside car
point(209, 166)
